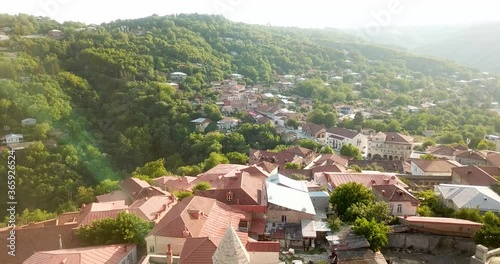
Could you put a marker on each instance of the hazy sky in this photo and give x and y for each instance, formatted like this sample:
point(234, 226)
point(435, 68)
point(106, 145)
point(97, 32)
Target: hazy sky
point(310, 13)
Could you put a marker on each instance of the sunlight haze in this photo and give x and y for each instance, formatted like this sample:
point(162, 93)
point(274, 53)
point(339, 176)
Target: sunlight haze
point(313, 13)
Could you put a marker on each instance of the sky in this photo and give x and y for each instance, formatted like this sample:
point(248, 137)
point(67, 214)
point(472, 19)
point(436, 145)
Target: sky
point(306, 14)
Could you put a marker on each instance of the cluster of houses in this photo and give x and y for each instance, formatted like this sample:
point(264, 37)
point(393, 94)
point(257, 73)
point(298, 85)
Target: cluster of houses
point(254, 213)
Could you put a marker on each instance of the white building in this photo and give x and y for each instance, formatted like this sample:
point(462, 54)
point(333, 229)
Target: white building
point(28, 122)
point(178, 76)
point(337, 137)
point(389, 146)
point(433, 167)
point(12, 139)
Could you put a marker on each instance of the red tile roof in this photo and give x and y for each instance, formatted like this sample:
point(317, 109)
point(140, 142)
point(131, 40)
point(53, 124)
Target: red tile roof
point(246, 189)
point(112, 254)
point(470, 154)
point(138, 189)
point(493, 159)
point(329, 168)
point(258, 226)
point(211, 219)
point(472, 175)
point(392, 137)
point(152, 208)
point(393, 193)
point(199, 250)
point(329, 159)
point(174, 182)
point(267, 166)
point(118, 195)
point(441, 166)
point(263, 246)
point(29, 240)
point(95, 211)
point(368, 180)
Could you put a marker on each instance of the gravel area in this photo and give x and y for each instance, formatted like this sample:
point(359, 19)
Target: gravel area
point(409, 257)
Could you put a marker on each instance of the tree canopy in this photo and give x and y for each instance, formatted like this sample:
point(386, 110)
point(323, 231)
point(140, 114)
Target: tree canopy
point(346, 195)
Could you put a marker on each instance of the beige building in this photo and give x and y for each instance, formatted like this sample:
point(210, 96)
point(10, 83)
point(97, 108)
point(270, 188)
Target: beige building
point(389, 146)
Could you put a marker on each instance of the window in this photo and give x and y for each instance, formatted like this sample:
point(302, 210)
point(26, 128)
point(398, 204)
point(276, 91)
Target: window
point(229, 196)
point(283, 218)
point(151, 249)
point(400, 208)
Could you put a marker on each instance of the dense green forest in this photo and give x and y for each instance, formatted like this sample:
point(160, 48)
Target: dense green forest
point(101, 94)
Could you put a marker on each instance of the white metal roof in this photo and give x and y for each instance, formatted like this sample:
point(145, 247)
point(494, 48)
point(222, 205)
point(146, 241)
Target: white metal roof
point(289, 198)
point(288, 182)
point(470, 196)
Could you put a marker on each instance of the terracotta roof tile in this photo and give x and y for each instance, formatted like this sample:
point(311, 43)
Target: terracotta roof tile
point(267, 166)
point(394, 193)
point(258, 226)
point(368, 180)
point(111, 254)
point(213, 219)
point(245, 189)
point(29, 240)
point(493, 159)
point(439, 166)
point(472, 175)
point(263, 246)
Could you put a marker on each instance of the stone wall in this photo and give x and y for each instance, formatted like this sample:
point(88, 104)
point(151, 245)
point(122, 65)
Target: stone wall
point(431, 243)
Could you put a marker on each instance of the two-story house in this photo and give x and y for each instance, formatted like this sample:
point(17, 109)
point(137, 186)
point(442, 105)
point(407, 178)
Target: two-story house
point(389, 146)
point(337, 137)
point(471, 157)
point(433, 167)
point(317, 132)
point(400, 201)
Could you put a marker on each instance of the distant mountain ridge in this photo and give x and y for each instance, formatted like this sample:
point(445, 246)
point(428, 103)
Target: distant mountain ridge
point(473, 46)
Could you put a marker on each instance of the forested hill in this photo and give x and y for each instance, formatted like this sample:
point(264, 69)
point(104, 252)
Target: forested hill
point(103, 105)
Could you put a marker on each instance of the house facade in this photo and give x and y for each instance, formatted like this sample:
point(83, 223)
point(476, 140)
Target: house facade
point(389, 146)
point(433, 167)
point(12, 139)
point(400, 201)
point(337, 137)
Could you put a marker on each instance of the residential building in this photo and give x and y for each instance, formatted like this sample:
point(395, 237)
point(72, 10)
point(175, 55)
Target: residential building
point(433, 167)
point(469, 196)
point(284, 181)
point(337, 137)
point(330, 159)
point(471, 157)
point(317, 132)
point(28, 122)
point(400, 201)
point(55, 33)
point(389, 146)
point(446, 152)
point(201, 124)
point(194, 216)
point(11, 139)
point(441, 226)
point(320, 200)
point(243, 191)
point(333, 180)
point(227, 124)
point(173, 183)
point(131, 190)
point(493, 159)
point(288, 205)
point(179, 76)
point(345, 109)
point(109, 254)
point(472, 175)
point(280, 158)
point(43, 236)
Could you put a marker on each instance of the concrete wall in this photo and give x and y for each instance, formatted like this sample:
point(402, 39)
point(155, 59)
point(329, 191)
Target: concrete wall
point(160, 244)
point(292, 217)
point(264, 257)
point(432, 243)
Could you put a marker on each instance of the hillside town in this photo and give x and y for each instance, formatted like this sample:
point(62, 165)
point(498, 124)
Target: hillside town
point(258, 213)
point(128, 158)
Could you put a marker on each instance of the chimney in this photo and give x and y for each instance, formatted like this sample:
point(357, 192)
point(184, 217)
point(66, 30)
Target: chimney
point(60, 242)
point(185, 233)
point(170, 258)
